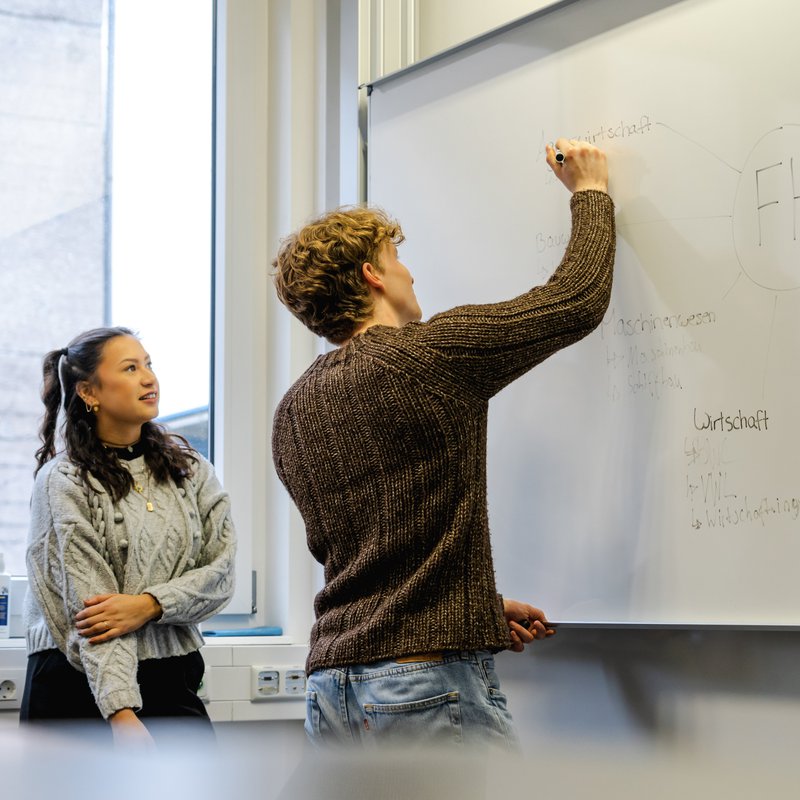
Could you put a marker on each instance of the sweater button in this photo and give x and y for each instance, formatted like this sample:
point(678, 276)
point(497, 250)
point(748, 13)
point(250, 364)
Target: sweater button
point(123, 543)
point(190, 562)
point(118, 517)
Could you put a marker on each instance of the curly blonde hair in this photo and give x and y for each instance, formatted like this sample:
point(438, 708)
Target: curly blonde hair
point(318, 269)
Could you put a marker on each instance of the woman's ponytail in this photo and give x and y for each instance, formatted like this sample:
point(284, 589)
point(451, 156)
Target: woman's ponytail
point(51, 396)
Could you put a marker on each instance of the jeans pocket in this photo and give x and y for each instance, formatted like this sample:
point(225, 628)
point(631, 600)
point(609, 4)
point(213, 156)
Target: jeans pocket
point(498, 699)
point(433, 719)
point(489, 675)
point(496, 696)
point(313, 715)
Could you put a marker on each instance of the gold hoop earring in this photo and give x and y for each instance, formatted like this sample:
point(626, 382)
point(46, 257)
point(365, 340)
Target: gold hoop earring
point(88, 407)
point(92, 408)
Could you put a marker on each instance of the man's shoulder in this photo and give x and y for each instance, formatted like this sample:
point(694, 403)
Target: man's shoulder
point(305, 378)
point(378, 348)
point(387, 344)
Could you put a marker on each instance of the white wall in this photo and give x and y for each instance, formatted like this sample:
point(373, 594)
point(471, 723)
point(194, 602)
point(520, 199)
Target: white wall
point(445, 23)
point(394, 34)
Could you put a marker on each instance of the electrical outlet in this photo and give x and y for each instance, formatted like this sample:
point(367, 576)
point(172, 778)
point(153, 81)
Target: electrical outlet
point(264, 682)
point(294, 681)
point(277, 683)
point(12, 682)
point(8, 690)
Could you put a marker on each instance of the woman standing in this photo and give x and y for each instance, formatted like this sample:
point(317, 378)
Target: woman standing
point(131, 545)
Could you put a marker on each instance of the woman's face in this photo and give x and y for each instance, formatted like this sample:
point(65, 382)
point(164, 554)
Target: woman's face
point(125, 388)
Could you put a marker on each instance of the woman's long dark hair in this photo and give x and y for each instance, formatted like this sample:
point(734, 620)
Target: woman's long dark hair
point(166, 454)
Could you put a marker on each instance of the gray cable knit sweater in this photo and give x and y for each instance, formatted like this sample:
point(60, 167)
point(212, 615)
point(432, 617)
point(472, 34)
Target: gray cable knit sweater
point(82, 544)
point(382, 446)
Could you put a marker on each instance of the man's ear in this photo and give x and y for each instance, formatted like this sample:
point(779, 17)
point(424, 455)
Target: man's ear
point(372, 275)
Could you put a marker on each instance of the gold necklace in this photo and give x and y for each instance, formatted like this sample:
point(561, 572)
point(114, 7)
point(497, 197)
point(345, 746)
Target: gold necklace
point(139, 488)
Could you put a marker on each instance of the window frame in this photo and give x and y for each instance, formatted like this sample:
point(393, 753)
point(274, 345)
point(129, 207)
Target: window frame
point(286, 148)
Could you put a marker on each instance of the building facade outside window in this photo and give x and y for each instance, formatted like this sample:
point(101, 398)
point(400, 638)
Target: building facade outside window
point(105, 206)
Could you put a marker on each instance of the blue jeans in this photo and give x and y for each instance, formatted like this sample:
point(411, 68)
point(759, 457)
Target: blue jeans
point(451, 699)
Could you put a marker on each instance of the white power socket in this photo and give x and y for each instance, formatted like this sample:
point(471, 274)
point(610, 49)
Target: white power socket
point(265, 682)
point(294, 681)
point(277, 682)
point(12, 684)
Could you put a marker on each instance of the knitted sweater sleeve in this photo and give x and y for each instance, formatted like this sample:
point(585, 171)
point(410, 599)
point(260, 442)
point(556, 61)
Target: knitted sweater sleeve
point(68, 562)
point(205, 585)
point(483, 348)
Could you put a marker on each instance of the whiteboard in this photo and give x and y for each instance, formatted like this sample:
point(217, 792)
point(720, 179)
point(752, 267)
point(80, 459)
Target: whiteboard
point(649, 474)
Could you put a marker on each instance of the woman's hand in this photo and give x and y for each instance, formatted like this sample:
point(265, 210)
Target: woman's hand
point(107, 616)
point(584, 165)
point(516, 614)
point(129, 730)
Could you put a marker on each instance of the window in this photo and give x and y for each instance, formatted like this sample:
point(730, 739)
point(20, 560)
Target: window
point(105, 207)
point(160, 111)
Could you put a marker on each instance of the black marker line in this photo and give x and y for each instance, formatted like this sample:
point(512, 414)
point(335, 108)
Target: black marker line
point(769, 348)
point(702, 146)
point(730, 289)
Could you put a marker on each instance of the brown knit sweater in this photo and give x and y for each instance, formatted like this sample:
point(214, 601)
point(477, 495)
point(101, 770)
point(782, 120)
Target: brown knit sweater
point(382, 446)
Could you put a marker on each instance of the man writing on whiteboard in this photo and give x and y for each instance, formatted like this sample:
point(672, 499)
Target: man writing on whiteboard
point(382, 446)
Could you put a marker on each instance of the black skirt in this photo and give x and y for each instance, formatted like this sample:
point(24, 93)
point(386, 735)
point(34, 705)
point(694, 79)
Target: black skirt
point(56, 691)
